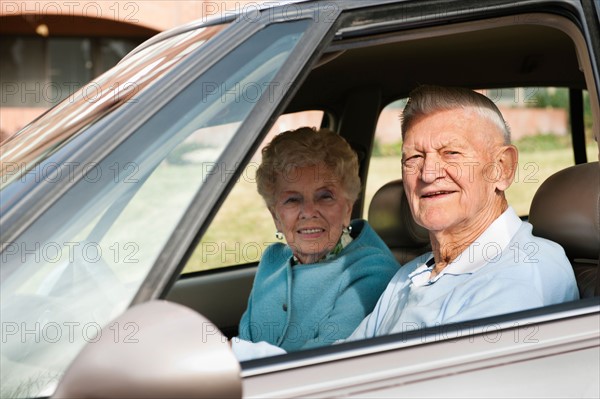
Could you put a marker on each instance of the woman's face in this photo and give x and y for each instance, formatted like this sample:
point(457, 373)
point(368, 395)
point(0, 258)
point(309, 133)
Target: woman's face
point(311, 209)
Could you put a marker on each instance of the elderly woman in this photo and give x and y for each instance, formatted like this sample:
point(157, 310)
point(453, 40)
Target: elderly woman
point(317, 288)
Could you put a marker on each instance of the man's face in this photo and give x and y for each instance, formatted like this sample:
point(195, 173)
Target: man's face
point(449, 170)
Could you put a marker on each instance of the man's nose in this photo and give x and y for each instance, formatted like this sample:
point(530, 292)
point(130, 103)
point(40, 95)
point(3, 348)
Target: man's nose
point(432, 169)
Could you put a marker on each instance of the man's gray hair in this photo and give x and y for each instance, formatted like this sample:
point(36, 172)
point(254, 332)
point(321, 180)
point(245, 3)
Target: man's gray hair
point(427, 99)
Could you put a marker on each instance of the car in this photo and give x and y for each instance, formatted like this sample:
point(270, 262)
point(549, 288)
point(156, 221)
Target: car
point(126, 262)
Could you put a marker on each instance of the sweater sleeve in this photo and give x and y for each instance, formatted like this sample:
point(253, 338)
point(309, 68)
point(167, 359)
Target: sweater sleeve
point(244, 326)
point(273, 256)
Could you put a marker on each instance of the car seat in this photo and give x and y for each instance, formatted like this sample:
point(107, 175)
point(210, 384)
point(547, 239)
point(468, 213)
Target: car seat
point(566, 210)
point(390, 216)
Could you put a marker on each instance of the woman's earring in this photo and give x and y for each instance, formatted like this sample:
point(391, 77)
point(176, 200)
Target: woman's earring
point(279, 235)
point(345, 239)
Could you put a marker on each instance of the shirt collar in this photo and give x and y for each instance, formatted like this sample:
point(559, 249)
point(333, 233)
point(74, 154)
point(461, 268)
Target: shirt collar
point(486, 248)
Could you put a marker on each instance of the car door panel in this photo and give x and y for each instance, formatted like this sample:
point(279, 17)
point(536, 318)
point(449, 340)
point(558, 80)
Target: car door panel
point(221, 296)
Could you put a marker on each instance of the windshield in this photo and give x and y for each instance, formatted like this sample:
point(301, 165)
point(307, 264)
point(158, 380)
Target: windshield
point(82, 261)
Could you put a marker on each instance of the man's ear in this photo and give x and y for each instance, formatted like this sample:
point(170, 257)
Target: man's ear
point(507, 159)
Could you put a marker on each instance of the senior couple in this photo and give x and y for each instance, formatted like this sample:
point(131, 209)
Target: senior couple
point(335, 279)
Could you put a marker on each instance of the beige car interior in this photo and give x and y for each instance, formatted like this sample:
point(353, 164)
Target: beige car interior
point(566, 209)
point(390, 217)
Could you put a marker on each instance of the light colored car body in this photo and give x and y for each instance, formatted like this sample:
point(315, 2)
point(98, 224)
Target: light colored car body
point(93, 241)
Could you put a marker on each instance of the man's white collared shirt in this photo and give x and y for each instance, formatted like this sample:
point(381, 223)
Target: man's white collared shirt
point(506, 269)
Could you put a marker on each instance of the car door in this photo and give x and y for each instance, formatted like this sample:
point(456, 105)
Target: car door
point(505, 356)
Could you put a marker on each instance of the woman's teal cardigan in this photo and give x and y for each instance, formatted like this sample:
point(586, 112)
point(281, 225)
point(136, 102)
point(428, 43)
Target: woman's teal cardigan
point(310, 305)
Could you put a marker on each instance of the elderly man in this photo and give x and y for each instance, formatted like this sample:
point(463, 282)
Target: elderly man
point(457, 162)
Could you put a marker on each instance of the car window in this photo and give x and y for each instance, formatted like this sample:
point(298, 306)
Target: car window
point(243, 227)
point(81, 263)
point(540, 129)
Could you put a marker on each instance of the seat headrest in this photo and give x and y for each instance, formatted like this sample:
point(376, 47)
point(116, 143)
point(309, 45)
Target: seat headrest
point(391, 218)
point(566, 209)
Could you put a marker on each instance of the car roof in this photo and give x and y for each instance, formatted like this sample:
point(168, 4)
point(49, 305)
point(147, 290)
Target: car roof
point(505, 56)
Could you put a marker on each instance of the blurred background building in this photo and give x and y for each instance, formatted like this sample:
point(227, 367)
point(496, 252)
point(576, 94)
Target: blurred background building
point(49, 49)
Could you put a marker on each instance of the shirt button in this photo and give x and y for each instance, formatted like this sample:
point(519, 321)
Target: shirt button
point(285, 307)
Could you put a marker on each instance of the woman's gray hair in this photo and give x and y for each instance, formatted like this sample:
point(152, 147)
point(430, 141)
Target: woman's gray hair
point(307, 147)
point(427, 99)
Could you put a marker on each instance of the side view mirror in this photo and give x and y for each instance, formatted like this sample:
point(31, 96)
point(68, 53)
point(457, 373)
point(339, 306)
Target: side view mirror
point(170, 352)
